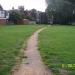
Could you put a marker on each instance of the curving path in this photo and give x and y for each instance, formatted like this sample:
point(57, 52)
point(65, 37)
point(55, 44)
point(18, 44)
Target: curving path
point(32, 63)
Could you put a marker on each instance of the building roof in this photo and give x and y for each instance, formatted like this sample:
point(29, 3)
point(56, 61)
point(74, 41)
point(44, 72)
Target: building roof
point(1, 8)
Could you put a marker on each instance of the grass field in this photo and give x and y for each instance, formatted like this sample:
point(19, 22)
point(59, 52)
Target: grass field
point(11, 40)
point(57, 47)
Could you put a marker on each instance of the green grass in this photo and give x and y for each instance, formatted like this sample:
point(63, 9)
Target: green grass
point(11, 40)
point(57, 47)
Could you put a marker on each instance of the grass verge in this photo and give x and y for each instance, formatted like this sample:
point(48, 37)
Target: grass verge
point(57, 47)
point(11, 41)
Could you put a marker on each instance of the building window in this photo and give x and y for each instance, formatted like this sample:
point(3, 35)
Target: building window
point(2, 12)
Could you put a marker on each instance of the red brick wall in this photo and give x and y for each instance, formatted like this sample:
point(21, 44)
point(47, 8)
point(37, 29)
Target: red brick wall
point(2, 21)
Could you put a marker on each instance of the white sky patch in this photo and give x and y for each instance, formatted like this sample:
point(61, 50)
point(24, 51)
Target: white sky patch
point(28, 4)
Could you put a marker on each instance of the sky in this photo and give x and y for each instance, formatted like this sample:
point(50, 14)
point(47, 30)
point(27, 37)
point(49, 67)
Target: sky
point(28, 4)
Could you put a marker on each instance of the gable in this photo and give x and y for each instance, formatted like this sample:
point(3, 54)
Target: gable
point(2, 14)
point(1, 8)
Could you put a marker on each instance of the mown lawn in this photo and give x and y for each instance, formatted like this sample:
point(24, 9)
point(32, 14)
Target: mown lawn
point(57, 47)
point(11, 40)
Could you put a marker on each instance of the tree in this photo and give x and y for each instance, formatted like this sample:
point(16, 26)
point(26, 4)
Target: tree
point(15, 16)
point(61, 10)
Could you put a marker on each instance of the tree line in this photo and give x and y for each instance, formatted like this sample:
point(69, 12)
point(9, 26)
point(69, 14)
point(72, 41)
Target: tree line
point(16, 16)
point(61, 11)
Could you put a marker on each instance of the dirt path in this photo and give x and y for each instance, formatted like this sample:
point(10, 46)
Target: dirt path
point(32, 63)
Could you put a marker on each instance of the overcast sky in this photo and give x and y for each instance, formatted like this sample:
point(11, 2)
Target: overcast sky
point(28, 4)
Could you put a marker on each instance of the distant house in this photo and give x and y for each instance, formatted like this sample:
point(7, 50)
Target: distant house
point(42, 18)
point(4, 15)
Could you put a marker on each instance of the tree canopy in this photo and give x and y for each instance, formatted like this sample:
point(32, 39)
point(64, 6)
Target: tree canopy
point(62, 10)
point(15, 16)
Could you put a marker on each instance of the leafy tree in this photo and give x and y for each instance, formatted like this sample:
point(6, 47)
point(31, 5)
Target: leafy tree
point(61, 10)
point(15, 16)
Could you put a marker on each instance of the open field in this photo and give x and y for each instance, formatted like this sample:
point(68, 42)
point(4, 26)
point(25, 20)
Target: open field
point(57, 47)
point(11, 40)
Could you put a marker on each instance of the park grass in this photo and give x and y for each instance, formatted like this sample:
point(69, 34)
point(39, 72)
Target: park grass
point(57, 48)
point(11, 41)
